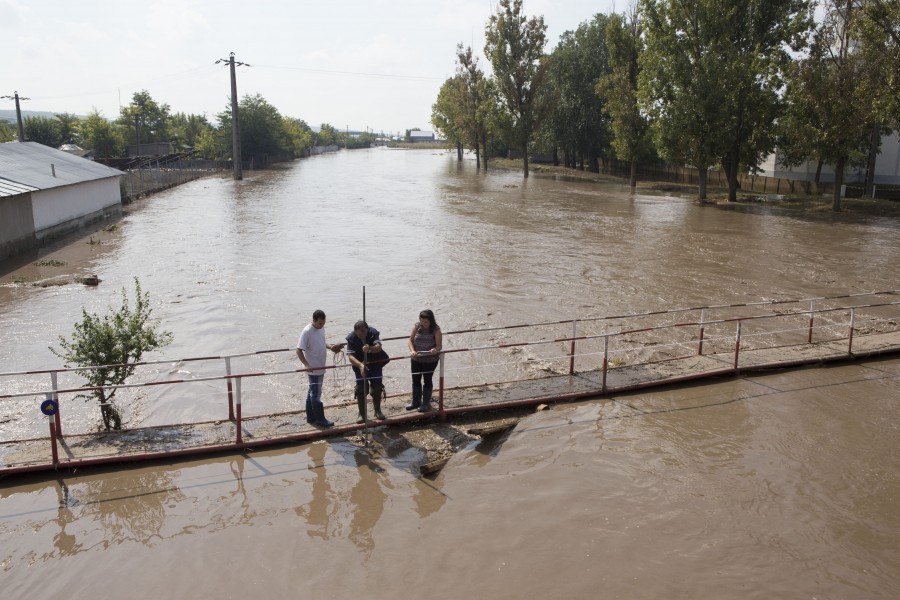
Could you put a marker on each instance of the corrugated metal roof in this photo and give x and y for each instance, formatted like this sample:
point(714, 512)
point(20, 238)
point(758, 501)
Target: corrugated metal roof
point(11, 188)
point(29, 164)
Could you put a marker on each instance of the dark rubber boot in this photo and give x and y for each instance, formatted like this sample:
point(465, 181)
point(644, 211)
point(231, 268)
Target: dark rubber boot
point(310, 415)
point(426, 403)
point(377, 395)
point(416, 397)
point(361, 404)
point(321, 421)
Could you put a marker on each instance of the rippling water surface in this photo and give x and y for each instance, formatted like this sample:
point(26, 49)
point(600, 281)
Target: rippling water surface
point(780, 485)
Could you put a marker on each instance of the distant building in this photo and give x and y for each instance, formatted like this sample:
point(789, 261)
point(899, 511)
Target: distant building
point(151, 149)
point(46, 193)
point(421, 136)
point(77, 150)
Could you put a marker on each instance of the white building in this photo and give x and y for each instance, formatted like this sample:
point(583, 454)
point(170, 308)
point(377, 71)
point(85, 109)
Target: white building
point(46, 193)
point(887, 167)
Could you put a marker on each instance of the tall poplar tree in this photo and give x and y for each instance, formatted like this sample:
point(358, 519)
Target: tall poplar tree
point(577, 64)
point(448, 113)
point(473, 80)
point(514, 45)
point(620, 87)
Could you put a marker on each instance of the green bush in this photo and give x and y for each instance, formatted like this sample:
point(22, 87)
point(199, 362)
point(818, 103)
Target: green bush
point(111, 345)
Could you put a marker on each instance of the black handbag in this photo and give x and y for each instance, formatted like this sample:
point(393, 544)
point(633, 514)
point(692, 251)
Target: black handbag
point(379, 359)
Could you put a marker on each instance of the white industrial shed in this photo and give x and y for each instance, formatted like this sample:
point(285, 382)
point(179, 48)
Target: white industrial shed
point(46, 193)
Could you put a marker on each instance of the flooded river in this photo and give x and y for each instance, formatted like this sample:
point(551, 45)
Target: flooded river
point(779, 485)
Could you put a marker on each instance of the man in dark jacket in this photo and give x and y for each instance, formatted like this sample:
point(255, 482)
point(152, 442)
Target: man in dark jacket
point(363, 343)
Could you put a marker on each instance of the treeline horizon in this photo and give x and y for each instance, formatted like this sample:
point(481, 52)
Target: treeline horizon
point(266, 135)
point(706, 83)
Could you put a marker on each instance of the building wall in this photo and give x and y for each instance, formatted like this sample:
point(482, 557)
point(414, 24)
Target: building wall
point(16, 224)
point(887, 167)
point(63, 209)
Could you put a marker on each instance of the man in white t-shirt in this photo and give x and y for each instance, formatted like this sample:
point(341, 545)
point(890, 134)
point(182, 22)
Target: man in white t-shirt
point(312, 352)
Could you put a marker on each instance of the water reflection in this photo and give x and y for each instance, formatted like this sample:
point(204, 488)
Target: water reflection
point(65, 542)
point(367, 499)
point(318, 511)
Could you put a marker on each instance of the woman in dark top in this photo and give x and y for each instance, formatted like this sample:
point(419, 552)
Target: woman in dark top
point(425, 348)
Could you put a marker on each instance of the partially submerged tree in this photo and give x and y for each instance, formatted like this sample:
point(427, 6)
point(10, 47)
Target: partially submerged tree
point(112, 344)
point(710, 77)
point(474, 85)
point(579, 123)
point(514, 45)
point(835, 90)
point(448, 113)
point(678, 85)
point(629, 124)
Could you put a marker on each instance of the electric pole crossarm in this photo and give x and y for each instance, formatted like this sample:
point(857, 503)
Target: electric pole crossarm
point(17, 97)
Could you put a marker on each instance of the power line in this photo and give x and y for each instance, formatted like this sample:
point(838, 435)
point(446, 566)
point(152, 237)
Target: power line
point(353, 73)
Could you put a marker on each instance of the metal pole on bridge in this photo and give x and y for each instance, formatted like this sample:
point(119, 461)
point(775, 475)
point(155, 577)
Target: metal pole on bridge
point(605, 362)
point(812, 308)
point(230, 394)
point(49, 407)
point(737, 345)
point(702, 321)
point(237, 421)
point(852, 327)
point(441, 389)
point(56, 417)
point(572, 350)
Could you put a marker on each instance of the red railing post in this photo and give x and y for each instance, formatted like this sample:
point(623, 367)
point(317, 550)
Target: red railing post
point(812, 308)
point(54, 453)
point(230, 395)
point(605, 362)
point(702, 327)
point(56, 417)
point(237, 420)
point(852, 326)
point(737, 345)
point(572, 351)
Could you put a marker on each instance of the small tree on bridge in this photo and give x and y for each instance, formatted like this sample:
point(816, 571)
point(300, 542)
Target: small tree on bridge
point(112, 344)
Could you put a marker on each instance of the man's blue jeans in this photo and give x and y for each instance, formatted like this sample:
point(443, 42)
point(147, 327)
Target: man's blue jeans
point(315, 388)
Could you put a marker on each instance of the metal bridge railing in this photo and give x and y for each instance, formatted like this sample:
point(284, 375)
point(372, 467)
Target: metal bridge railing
point(597, 345)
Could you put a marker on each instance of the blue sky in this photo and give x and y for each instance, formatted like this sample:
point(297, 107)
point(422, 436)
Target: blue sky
point(353, 63)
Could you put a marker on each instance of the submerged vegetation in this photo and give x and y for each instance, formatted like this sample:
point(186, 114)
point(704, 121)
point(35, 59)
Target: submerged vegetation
point(116, 340)
point(706, 83)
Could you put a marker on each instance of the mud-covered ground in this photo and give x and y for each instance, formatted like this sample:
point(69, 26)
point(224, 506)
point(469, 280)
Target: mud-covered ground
point(438, 441)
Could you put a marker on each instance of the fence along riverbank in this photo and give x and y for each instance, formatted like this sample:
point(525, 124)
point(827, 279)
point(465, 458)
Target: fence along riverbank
point(480, 369)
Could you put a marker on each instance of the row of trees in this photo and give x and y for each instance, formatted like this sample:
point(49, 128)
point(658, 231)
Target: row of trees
point(701, 82)
point(265, 133)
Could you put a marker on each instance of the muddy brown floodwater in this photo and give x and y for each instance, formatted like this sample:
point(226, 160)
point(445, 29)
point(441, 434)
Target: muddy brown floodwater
point(778, 485)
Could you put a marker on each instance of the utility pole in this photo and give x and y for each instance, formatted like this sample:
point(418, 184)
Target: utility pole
point(235, 122)
point(137, 134)
point(18, 113)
